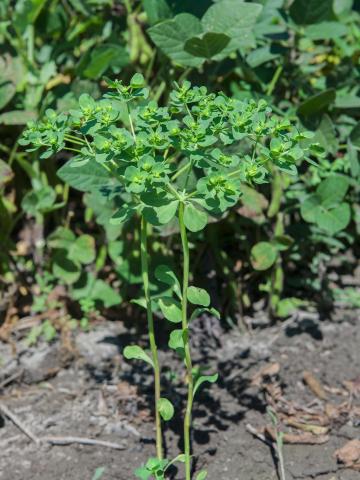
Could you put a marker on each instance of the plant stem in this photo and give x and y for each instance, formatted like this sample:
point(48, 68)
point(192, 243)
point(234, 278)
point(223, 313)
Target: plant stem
point(150, 320)
point(188, 361)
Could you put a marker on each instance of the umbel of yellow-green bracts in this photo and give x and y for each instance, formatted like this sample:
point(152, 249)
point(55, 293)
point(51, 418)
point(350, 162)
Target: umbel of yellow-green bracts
point(127, 147)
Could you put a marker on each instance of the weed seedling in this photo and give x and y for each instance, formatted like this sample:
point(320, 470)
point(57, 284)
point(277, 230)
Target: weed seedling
point(179, 163)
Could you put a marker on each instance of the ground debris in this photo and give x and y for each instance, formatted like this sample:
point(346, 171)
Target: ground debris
point(314, 384)
point(349, 454)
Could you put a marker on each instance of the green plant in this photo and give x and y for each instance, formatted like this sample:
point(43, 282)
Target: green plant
point(181, 163)
point(279, 435)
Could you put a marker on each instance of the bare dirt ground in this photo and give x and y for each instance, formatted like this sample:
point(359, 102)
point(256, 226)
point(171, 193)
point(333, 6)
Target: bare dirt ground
point(94, 393)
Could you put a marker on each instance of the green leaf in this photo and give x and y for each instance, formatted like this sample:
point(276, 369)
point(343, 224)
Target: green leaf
point(17, 117)
point(207, 45)
point(65, 269)
point(171, 35)
point(171, 309)
point(194, 219)
point(143, 473)
point(355, 135)
point(164, 274)
point(332, 190)
point(263, 255)
point(26, 12)
point(156, 10)
point(102, 58)
point(199, 311)
point(201, 475)
point(162, 214)
point(353, 160)
point(176, 340)
point(326, 30)
point(99, 472)
point(198, 296)
point(317, 103)
point(135, 352)
point(202, 379)
point(137, 80)
point(236, 20)
point(7, 91)
point(39, 201)
point(87, 177)
point(122, 215)
point(166, 409)
point(83, 249)
point(305, 12)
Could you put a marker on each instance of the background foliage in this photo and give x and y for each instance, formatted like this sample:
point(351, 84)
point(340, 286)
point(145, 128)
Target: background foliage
point(280, 248)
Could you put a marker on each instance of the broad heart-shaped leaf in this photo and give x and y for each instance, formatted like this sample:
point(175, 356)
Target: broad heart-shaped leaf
point(207, 45)
point(202, 379)
point(234, 18)
point(263, 255)
point(83, 249)
point(87, 177)
point(332, 220)
point(170, 36)
point(305, 12)
point(198, 296)
point(317, 103)
point(201, 475)
point(88, 286)
point(65, 269)
point(166, 409)
point(164, 274)
point(171, 309)
point(332, 190)
point(122, 215)
point(135, 352)
point(194, 219)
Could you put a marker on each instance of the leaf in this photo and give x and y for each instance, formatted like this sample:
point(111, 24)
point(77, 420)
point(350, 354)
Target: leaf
point(199, 311)
point(207, 45)
point(7, 91)
point(170, 309)
point(166, 409)
point(202, 379)
point(176, 340)
point(198, 296)
point(235, 19)
point(87, 177)
point(83, 249)
point(201, 475)
point(122, 215)
point(171, 35)
point(355, 135)
point(317, 103)
point(102, 58)
point(326, 30)
point(162, 214)
point(164, 274)
point(305, 12)
point(143, 473)
point(6, 173)
point(353, 160)
point(332, 190)
point(347, 102)
point(134, 352)
point(156, 10)
point(194, 219)
point(17, 117)
point(64, 268)
point(325, 207)
point(26, 12)
point(99, 472)
point(263, 255)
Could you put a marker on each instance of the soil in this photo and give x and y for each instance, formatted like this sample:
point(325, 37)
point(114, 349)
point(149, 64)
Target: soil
point(92, 392)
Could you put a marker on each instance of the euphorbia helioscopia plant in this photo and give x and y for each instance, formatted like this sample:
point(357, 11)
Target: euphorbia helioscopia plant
point(143, 155)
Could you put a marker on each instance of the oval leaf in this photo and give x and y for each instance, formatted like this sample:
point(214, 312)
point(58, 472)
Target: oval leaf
point(166, 409)
point(170, 309)
point(198, 296)
point(195, 220)
point(137, 353)
point(263, 255)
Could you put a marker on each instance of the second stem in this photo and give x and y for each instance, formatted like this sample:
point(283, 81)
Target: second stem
point(188, 361)
point(151, 330)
